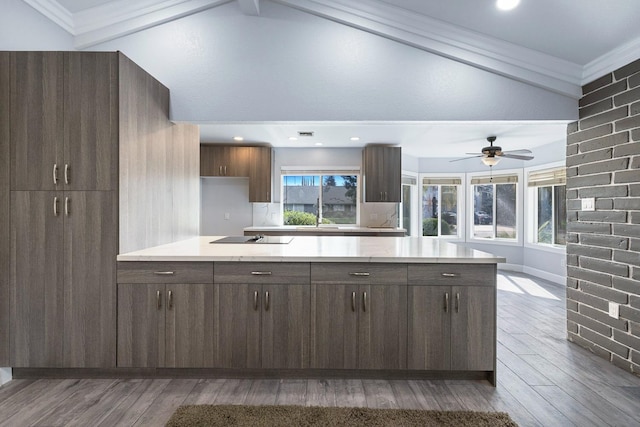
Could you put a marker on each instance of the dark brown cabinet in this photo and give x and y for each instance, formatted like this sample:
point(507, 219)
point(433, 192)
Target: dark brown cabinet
point(382, 173)
point(358, 316)
point(234, 161)
point(262, 315)
point(452, 317)
point(5, 197)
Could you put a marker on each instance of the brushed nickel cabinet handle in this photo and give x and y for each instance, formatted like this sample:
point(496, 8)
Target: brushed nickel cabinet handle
point(67, 209)
point(449, 275)
point(170, 300)
point(55, 174)
point(261, 273)
point(266, 301)
point(220, 170)
point(225, 171)
point(158, 300)
point(359, 274)
point(364, 301)
point(457, 302)
point(67, 173)
point(55, 206)
point(164, 273)
point(255, 300)
point(353, 301)
point(446, 302)
point(381, 199)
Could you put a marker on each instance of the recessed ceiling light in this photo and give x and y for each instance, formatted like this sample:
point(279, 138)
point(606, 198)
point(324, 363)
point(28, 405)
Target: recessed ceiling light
point(507, 4)
point(355, 138)
point(238, 138)
point(293, 138)
point(318, 143)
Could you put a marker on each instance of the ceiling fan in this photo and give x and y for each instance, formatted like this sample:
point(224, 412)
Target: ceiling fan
point(492, 154)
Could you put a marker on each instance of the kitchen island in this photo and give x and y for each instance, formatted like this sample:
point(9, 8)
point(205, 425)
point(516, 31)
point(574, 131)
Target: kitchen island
point(339, 306)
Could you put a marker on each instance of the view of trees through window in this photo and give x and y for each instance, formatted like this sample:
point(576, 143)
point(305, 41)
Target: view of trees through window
point(551, 215)
point(494, 211)
point(329, 199)
point(439, 210)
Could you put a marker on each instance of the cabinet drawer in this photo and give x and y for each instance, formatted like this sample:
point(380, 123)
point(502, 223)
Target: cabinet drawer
point(365, 272)
point(261, 272)
point(165, 272)
point(452, 274)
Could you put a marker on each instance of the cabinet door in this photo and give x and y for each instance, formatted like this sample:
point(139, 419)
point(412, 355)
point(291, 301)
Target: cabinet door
point(429, 343)
point(36, 119)
point(36, 279)
point(237, 325)
point(382, 327)
point(189, 326)
point(285, 326)
point(238, 161)
point(90, 249)
point(334, 317)
point(141, 327)
point(383, 173)
point(208, 165)
point(91, 121)
point(260, 175)
point(5, 239)
point(473, 327)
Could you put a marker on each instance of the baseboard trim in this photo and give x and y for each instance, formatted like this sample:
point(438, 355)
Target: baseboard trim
point(541, 274)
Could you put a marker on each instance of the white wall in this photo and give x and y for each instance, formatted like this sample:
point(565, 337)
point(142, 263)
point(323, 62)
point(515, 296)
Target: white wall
point(23, 28)
point(287, 65)
point(220, 196)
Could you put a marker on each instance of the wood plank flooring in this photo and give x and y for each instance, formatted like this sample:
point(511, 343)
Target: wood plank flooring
point(543, 380)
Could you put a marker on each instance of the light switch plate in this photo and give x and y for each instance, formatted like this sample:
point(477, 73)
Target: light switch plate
point(589, 204)
point(614, 310)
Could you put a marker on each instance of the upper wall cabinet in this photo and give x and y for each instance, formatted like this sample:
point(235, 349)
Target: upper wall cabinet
point(63, 107)
point(252, 162)
point(382, 172)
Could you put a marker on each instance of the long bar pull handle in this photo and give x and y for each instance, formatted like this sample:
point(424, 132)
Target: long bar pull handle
point(67, 209)
point(225, 171)
point(164, 273)
point(55, 174)
point(220, 170)
point(67, 173)
point(158, 300)
point(255, 300)
point(449, 275)
point(353, 301)
point(266, 301)
point(359, 273)
point(381, 198)
point(261, 273)
point(457, 302)
point(364, 301)
point(446, 302)
point(170, 300)
point(55, 206)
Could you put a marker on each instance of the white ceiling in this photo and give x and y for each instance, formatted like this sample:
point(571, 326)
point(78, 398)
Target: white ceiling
point(559, 45)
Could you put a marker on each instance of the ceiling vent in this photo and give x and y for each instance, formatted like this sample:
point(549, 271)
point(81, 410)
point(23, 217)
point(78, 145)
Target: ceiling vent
point(301, 133)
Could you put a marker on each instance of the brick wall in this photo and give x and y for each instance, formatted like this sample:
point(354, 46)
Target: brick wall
point(603, 246)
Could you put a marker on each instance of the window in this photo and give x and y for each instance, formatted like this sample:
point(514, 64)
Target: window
point(440, 200)
point(409, 192)
point(321, 198)
point(549, 197)
point(495, 214)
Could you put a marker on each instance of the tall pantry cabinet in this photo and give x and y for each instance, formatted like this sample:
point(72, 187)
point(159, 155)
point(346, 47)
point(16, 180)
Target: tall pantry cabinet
point(4, 211)
point(67, 135)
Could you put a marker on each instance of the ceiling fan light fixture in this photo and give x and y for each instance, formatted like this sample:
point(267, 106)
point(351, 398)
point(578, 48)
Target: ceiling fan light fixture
point(490, 161)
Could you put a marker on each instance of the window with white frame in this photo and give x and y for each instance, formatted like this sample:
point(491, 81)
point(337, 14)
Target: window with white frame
point(440, 206)
point(495, 207)
point(320, 197)
point(548, 192)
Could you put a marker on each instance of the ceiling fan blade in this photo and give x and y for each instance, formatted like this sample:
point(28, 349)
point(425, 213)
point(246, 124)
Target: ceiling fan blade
point(522, 151)
point(516, 156)
point(465, 158)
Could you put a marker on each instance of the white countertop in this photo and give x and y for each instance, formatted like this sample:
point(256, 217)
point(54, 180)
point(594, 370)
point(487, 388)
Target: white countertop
point(323, 229)
point(317, 249)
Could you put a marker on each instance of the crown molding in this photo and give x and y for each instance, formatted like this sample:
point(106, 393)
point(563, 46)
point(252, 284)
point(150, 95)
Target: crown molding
point(469, 47)
point(611, 61)
point(55, 12)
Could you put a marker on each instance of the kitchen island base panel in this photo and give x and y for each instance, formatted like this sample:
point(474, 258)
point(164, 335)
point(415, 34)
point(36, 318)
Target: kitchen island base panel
point(56, 373)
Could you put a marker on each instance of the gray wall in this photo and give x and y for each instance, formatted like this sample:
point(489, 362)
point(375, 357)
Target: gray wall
point(22, 28)
point(220, 196)
point(603, 254)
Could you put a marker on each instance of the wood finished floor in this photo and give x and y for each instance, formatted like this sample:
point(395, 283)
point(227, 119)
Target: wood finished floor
point(543, 380)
